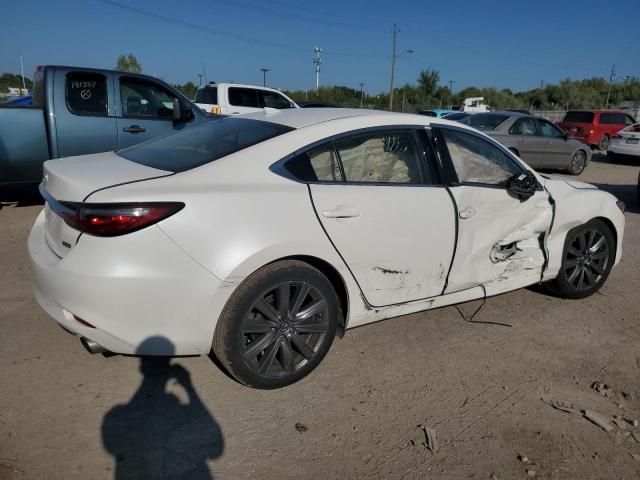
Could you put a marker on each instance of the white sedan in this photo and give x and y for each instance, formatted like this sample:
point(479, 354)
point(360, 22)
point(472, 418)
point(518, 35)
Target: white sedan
point(263, 237)
point(625, 144)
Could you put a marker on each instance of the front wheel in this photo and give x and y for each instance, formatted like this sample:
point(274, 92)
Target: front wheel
point(578, 163)
point(587, 259)
point(278, 325)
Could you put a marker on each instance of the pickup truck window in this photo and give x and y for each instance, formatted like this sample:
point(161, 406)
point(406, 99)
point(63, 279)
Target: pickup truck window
point(274, 100)
point(142, 99)
point(243, 97)
point(196, 146)
point(207, 95)
point(87, 93)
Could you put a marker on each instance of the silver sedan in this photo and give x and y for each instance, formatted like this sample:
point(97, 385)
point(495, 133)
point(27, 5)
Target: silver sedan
point(535, 140)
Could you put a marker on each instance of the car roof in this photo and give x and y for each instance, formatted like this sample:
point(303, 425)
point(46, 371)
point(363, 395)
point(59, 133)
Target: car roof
point(304, 117)
point(240, 85)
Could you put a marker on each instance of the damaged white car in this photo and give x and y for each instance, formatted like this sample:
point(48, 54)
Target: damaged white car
point(263, 237)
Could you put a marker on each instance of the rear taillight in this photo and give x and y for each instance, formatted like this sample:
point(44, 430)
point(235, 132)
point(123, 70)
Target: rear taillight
point(113, 219)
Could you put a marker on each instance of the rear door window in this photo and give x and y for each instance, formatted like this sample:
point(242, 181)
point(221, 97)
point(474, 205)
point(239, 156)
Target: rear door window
point(274, 100)
point(578, 117)
point(628, 120)
point(319, 164)
point(548, 129)
point(243, 97)
point(87, 93)
point(523, 126)
point(608, 118)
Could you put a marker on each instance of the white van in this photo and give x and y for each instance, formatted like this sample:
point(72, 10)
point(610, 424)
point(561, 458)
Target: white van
point(235, 99)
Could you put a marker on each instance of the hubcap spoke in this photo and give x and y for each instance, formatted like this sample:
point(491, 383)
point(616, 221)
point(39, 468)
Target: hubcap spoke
point(573, 251)
point(570, 263)
point(302, 294)
point(284, 292)
point(269, 357)
point(258, 325)
point(267, 310)
point(597, 268)
point(581, 278)
point(312, 325)
point(315, 308)
point(302, 346)
point(287, 356)
point(257, 346)
point(602, 254)
point(597, 245)
point(582, 241)
point(574, 274)
point(591, 278)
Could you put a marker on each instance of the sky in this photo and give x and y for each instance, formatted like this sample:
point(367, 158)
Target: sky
point(486, 43)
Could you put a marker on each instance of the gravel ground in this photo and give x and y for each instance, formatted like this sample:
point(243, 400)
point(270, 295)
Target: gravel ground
point(65, 414)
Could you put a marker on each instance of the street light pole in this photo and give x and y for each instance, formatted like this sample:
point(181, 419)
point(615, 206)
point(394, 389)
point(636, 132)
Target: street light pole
point(611, 77)
point(393, 66)
point(361, 95)
point(264, 75)
point(317, 61)
point(199, 79)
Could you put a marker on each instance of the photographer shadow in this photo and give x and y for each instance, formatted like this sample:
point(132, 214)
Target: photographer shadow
point(156, 435)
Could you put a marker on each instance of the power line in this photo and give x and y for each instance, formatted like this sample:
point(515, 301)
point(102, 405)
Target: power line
point(222, 33)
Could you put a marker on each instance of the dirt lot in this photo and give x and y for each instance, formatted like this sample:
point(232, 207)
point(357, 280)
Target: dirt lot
point(65, 414)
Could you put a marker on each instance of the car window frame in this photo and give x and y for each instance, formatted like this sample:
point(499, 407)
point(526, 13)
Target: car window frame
point(86, 114)
point(540, 121)
point(447, 161)
point(141, 80)
point(255, 91)
point(428, 161)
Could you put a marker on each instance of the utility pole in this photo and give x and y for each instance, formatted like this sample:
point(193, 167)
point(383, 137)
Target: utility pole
point(451, 82)
point(264, 75)
point(611, 77)
point(204, 72)
point(393, 66)
point(199, 79)
point(24, 87)
point(317, 61)
point(361, 95)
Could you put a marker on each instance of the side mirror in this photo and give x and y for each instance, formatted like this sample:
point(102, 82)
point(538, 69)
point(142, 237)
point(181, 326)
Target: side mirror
point(567, 136)
point(181, 113)
point(523, 185)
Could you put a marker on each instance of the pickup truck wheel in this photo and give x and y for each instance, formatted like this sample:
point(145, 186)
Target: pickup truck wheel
point(578, 163)
point(587, 259)
point(604, 143)
point(278, 325)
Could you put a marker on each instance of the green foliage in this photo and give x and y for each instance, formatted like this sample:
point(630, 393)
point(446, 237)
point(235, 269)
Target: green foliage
point(188, 89)
point(13, 80)
point(128, 63)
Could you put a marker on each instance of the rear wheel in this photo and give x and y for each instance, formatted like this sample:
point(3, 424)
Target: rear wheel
point(587, 259)
point(604, 143)
point(578, 163)
point(278, 325)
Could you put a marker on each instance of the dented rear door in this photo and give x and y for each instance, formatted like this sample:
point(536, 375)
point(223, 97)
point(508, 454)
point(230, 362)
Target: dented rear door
point(500, 237)
point(386, 213)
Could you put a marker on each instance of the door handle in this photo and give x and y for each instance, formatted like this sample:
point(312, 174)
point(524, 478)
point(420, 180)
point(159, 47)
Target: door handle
point(341, 213)
point(467, 213)
point(134, 129)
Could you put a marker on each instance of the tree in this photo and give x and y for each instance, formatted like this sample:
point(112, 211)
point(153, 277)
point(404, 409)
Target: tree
point(428, 81)
point(128, 63)
point(189, 89)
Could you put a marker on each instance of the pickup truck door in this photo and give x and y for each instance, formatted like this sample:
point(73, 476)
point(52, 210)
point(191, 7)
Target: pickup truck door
point(145, 110)
point(84, 119)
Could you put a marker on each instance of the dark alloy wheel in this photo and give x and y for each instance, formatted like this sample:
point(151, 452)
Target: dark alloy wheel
point(278, 325)
point(589, 253)
point(604, 143)
point(578, 163)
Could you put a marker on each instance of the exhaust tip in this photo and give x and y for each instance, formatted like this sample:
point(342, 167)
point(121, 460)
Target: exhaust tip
point(91, 346)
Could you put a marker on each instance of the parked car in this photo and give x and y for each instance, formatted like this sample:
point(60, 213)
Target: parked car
point(236, 99)
point(625, 145)
point(437, 112)
point(22, 101)
point(317, 105)
point(456, 116)
point(252, 235)
point(535, 140)
point(595, 127)
point(77, 110)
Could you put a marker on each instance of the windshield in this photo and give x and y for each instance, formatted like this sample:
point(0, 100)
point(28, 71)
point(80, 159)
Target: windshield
point(578, 117)
point(484, 121)
point(196, 146)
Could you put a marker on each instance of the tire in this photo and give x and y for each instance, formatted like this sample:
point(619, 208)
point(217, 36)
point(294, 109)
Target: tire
point(515, 152)
point(604, 143)
point(261, 341)
point(585, 269)
point(578, 163)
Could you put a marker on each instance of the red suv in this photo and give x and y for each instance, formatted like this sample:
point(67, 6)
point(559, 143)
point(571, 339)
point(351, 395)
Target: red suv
point(595, 127)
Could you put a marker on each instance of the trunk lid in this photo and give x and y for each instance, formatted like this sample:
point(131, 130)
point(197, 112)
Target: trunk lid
point(73, 179)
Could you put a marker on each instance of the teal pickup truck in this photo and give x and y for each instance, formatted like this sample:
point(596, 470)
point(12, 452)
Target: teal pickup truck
point(76, 111)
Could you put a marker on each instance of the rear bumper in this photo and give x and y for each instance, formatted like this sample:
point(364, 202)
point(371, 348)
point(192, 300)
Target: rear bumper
point(623, 149)
point(132, 288)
